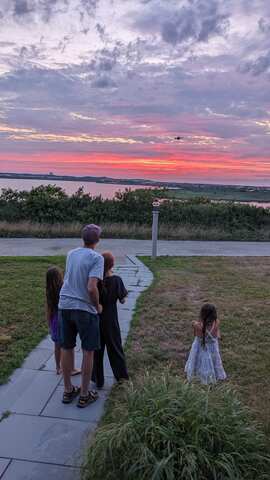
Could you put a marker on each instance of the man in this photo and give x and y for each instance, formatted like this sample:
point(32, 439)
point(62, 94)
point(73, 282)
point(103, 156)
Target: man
point(78, 313)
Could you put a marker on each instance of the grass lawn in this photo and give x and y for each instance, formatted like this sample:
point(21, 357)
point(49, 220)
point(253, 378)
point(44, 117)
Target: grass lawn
point(161, 334)
point(22, 315)
point(220, 192)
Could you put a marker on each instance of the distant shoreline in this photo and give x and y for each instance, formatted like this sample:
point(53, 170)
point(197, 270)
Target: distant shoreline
point(71, 178)
point(123, 181)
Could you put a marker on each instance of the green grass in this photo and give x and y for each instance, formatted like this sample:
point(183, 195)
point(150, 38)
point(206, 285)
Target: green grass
point(22, 316)
point(166, 429)
point(240, 288)
point(220, 192)
point(161, 333)
point(159, 342)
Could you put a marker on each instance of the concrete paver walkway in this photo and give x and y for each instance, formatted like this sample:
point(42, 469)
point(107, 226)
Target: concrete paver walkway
point(41, 438)
point(122, 247)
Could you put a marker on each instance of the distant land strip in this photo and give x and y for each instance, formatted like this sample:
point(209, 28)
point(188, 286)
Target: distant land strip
point(124, 181)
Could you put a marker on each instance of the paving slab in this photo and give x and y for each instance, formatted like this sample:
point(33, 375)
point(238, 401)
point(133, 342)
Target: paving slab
point(42, 439)
point(124, 325)
point(109, 382)
point(55, 408)
point(128, 305)
point(37, 358)
point(3, 465)
point(21, 470)
point(107, 367)
point(49, 365)
point(134, 294)
point(124, 314)
point(124, 335)
point(29, 393)
point(135, 288)
point(46, 343)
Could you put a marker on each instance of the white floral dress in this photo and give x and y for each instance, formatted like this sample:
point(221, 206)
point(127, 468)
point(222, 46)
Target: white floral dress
point(204, 362)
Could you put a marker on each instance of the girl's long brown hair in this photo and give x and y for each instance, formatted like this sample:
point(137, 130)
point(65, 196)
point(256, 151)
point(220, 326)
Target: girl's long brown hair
point(108, 262)
point(54, 282)
point(208, 316)
point(108, 265)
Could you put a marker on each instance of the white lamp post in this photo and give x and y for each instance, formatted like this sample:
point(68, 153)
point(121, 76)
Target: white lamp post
point(155, 205)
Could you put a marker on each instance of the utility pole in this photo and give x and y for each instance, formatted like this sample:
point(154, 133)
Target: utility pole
point(155, 206)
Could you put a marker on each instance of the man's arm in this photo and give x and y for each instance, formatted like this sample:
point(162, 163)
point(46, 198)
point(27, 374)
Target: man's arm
point(94, 293)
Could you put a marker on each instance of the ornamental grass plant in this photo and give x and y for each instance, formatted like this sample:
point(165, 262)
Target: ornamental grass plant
point(166, 429)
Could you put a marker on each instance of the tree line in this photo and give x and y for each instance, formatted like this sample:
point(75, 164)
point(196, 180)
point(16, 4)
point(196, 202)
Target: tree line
point(51, 204)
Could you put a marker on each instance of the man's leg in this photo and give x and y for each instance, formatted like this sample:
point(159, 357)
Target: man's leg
point(87, 367)
point(68, 332)
point(67, 365)
point(88, 328)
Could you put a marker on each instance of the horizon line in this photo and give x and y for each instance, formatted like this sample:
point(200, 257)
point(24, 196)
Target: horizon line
point(135, 181)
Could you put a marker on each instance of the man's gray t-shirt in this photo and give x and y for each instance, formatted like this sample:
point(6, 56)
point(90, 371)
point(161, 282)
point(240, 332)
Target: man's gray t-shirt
point(82, 264)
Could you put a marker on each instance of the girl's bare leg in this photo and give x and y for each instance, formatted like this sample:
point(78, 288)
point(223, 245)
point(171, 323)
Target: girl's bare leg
point(57, 356)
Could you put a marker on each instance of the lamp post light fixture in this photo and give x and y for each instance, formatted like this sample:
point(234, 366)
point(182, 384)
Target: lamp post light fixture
point(155, 205)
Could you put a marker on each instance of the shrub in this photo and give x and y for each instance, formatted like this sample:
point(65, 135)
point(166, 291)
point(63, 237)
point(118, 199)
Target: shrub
point(51, 205)
point(166, 429)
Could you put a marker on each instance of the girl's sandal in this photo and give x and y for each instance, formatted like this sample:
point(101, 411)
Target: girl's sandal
point(68, 397)
point(91, 397)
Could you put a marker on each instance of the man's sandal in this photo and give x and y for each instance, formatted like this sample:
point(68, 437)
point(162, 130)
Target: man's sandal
point(85, 400)
point(68, 397)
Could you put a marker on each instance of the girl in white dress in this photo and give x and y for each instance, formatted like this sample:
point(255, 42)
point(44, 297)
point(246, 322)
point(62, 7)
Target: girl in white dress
point(204, 362)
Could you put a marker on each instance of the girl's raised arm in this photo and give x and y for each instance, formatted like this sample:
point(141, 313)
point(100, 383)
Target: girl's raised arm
point(197, 329)
point(215, 330)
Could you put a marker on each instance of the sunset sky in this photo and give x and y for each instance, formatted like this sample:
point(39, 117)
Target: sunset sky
point(103, 87)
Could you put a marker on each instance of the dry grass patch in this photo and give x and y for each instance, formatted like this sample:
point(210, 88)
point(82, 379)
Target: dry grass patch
point(132, 230)
point(240, 287)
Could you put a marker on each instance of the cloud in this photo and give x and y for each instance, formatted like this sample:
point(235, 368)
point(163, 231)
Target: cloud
point(31, 10)
point(88, 71)
point(104, 81)
point(46, 9)
point(83, 138)
point(264, 25)
point(101, 31)
point(196, 21)
point(89, 6)
point(107, 59)
point(22, 7)
point(257, 67)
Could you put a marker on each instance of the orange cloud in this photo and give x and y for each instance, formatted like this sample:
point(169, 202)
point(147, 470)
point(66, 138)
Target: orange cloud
point(175, 168)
